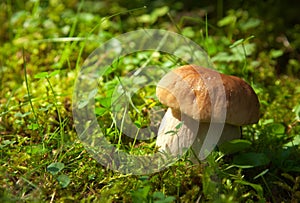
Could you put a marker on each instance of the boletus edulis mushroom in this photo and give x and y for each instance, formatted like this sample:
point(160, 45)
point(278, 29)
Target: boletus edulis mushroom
point(200, 100)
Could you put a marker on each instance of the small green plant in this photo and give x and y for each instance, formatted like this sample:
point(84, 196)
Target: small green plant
point(55, 168)
point(144, 195)
point(43, 46)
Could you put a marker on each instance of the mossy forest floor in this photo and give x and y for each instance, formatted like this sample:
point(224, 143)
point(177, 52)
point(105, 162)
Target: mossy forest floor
point(43, 45)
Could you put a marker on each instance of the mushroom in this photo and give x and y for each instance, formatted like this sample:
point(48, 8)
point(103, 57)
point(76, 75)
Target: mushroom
point(205, 108)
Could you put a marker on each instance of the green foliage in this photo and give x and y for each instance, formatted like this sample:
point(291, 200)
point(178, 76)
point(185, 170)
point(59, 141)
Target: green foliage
point(43, 46)
point(249, 160)
point(234, 146)
point(54, 168)
point(144, 194)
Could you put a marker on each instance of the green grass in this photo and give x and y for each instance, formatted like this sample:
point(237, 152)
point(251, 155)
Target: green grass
point(44, 45)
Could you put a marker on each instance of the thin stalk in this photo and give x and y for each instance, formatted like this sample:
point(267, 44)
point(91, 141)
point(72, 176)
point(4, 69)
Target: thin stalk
point(245, 60)
point(57, 110)
point(206, 27)
point(121, 128)
point(135, 138)
point(28, 90)
point(268, 189)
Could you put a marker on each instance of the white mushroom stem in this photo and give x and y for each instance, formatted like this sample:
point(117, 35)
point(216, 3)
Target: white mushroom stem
point(176, 137)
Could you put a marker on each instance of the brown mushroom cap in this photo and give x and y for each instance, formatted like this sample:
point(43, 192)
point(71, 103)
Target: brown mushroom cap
point(199, 93)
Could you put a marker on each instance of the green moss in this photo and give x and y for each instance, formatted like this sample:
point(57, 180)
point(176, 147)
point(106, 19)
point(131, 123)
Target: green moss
point(48, 41)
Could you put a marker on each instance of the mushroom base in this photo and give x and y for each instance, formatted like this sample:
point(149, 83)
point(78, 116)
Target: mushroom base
point(175, 137)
